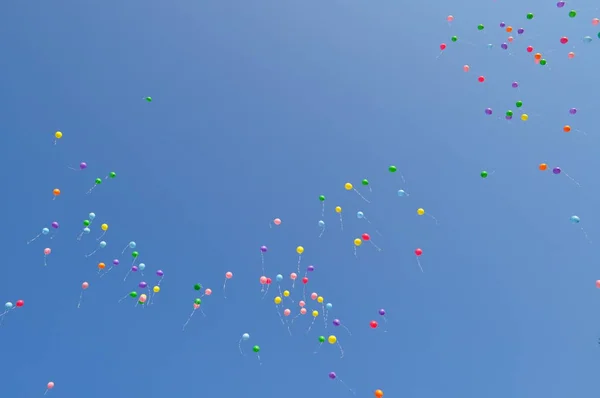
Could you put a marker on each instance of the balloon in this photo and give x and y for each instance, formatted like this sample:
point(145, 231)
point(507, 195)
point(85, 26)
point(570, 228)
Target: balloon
point(315, 313)
point(86, 223)
point(196, 301)
point(572, 14)
point(134, 268)
point(301, 303)
point(365, 182)
point(85, 285)
point(58, 135)
point(228, 275)
point(543, 166)
point(321, 223)
point(418, 252)
point(50, 385)
point(509, 29)
point(381, 312)
point(560, 4)
point(504, 46)
point(196, 306)
point(101, 265)
point(143, 285)
point(515, 84)
point(571, 55)
point(321, 339)
point(483, 174)
point(597, 285)
point(366, 237)
point(401, 192)
point(466, 68)
point(573, 111)
point(373, 324)
point(287, 312)
point(54, 225)
point(45, 231)
point(322, 198)
point(160, 273)
point(449, 18)
point(112, 174)
point(103, 245)
point(378, 393)
point(263, 249)
point(305, 280)
point(82, 165)
point(332, 375)
point(336, 322)
point(420, 211)
point(277, 300)
point(245, 336)
point(442, 47)
point(332, 339)
point(47, 251)
point(293, 276)
point(56, 191)
point(279, 278)
point(575, 219)
point(8, 305)
point(286, 293)
point(524, 117)
point(348, 186)
point(320, 299)
point(360, 214)
point(142, 266)
point(357, 242)
point(91, 216)
point(20, 303)
point(104, 227)
point(595, 21)
point(313, 296)
point(329, 306)
point(143, 298)
point(277, 221)
point(262, 280)
point(480, 27)
point(156, 289)
point(133, 294)
point(519, 104)
point(303, 311)
point(338, 209)
point(393, 169)
point(310, 268)
point(537, 56)
point(556, 170)
point(564, 40)
point(197, 286)
point(529, 49)
point(454, 39)
point(208, 292)
point(529, 15)
point(520, 31)
point(132, 245)
point(256, 348)
point(567, 128)
point(488, 111)
point(148, 99)
point(481, 79)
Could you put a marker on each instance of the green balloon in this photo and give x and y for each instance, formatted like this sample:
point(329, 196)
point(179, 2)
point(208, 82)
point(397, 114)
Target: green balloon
point(599, 35)
point(141, 302)
point(454, 39)
point(256, 348)
point(480, 27)
point(484, 174)
point(112, 174)
point(86, 223)
point(322, 198)
point(197, 301)
point(365, 182)
point(572, 14)
point(519, 104)
point(321, 339)
point(543, 62)
point(509, 113)
point(98, 181)
point(197, 286)
point(134, 254)
point(529, 15)
point(149, 99)
point(392, 169)
point(133, 294)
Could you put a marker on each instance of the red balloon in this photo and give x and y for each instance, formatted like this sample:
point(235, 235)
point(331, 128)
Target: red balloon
point(418, 252)
point(269, 281)
point(305, 280)
point(20, 303)
point(481, 79)
point(443, 46)
point(529, 49)
point(373, 324)
point(564, 40)
point(366, 237)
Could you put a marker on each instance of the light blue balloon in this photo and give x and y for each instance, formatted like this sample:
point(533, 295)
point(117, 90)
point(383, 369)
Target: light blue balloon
point(132, 245)
point(360, 214)
point(102, 245)
point(245, 336)
point(329, 306)
point(490, 46)
point(86, 230)
point(575, 219)
point(142, 266)
point(8, 305)
point(91, 216)
point(401, 192)
point(279, 278)
point(587, 39)
point(321, 223)
point(45, 231)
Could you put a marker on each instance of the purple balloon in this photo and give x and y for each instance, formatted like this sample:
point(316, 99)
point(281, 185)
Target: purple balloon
point(502, 24)
point(556, 170)
point(83, 165)
point(143, 285)
point(508, 117)
point(54, 225)
point(560, 4)
point(263, 249)
point(310, 268)
point(573, 111)
point(382, 312)
point(515, 84)
point(488, 111)
point(332, 375)
point(336, 322)
point(134, 268)
point(159, 272)
point(504, 46)
point(520, 31)
point(115, 262)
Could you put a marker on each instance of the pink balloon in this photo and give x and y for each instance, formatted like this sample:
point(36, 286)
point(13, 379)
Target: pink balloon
point(196, 306)
point(301, 303)
point(293, 276)
point(50, 385)
point(85, 285)
point(277, 221)
point(208, 292)
point(143, 298)
point(287, 312)
point(303, 311)
point(449, 18)
point(466, 68)
point(47, 251)
point(571, 55)
point(228, 275)
point(595, 21)
point(263, 280)
point(598, 284)
point(314, 296)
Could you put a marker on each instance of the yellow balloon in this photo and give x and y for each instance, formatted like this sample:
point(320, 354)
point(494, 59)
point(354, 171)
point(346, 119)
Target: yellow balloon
point(320, 299)
point(143, 296)
point(524, 117)
point(338, 209)
point(286, 293)
point(348, 186)
point(104, 227)
point(58, 135)
point(299, 250)
point(420, 211)
point(332, 339)
point(277, 300)
point(315, 313)
point(156, 289)
point(357, 242)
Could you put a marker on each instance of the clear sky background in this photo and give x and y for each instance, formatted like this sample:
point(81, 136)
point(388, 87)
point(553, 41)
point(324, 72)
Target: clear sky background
point(259, 107)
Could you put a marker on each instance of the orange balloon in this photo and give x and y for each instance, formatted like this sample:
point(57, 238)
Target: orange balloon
point(571, 55)
point(543, 166)
point(101, 265)
point(567, 129)
point(537, 56)
point(378, 393)
point(56, 191)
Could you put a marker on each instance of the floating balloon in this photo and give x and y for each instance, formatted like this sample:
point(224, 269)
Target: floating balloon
point(47, 252)
point(394, 169)
point(45, 231)
point(131, 245)
point(56, 193)
point(333, 376)
point(350, 187)
point(378, 394)
point(84, 286)
point(228, 275)
point(421, 212)
point(338, 210)
point(277, 221)
point(419, 253)
point(245, 337)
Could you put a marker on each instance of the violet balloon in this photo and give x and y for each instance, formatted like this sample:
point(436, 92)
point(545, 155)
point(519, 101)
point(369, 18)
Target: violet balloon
point(382, 312)
point(521, 31)
point(115, 262)
point(573, 111)
point(134, 268)
point(83, 165)
point(332, 375)
point(263, 249)
point(160, 272)
point(515, 84)
point(143, 285)
point(504, 46)
point(560, 4)
point(502, 24)
point(488, 111)
point(556, 170)
point(336, 322)
point(54, 225)
point(310, 268)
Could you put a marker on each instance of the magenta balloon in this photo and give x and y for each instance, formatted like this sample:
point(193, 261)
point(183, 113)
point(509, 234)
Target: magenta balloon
point(134, 268)
point(332, 375)
point(83, 165)
point(159, 272)
point(55, 225)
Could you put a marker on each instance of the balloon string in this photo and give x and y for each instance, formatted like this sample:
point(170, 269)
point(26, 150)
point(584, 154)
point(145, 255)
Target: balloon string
point(341, 350)
point(80, 298)
point(434, 219)
point(298, 268)
point(80, 236)
point(311, 325)
point(346, 385)
point(321, 234)
point(374, 245)
point(279, 313)
point(224, 284)
point(100, 237)
point(29, 241)
point(262, 260)
point(123, 298)
point(362, 197)
point(318, 348)
point(347, 330)
point(573, 180)
point(91, 189)
point(91, 254)
point(419, 263)
point(341, 222)
point(240, 346)
point(324, 317)
point(323, 209)
point(45, 263)
point(355, 254)
point(123, 252)
point(188, 320)
point(126, 275)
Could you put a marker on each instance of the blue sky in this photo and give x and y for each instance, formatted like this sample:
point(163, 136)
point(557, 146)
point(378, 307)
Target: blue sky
point(260, 107)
